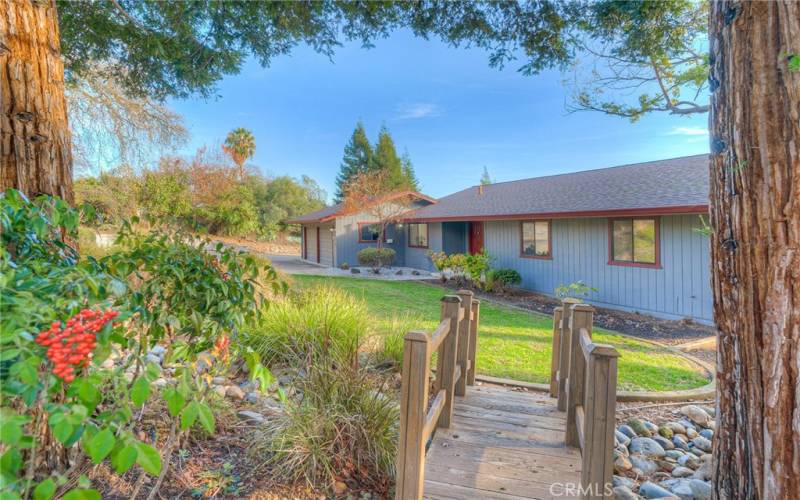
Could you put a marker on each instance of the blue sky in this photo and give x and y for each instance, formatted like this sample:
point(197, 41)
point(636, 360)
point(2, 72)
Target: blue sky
point(445, 106)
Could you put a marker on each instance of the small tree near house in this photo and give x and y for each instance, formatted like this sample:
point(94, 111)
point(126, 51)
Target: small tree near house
point(368, 192)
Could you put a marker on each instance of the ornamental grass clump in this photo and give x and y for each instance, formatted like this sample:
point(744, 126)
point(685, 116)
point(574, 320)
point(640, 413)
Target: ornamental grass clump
point(319, 319)
point(343, 429)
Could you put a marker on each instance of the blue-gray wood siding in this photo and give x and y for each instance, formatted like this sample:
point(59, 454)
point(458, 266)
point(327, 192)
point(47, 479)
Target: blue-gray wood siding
point(418, 257)
point(348, 246)
point(680, 288)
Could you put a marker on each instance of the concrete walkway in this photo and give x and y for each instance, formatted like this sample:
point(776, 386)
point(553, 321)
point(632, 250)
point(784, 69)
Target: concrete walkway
point(293, 264)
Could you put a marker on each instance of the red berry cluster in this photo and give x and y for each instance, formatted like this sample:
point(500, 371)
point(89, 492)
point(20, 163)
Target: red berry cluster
point(71, 346)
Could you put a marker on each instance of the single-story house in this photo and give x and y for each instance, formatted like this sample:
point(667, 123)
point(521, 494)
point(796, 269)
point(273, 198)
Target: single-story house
point(633, 232)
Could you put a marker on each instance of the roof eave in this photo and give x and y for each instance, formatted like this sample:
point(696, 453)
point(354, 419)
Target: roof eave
point(622, 212)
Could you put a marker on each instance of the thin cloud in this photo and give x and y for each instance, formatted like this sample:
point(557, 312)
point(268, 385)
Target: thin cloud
point(418, 110)
point(690, 131)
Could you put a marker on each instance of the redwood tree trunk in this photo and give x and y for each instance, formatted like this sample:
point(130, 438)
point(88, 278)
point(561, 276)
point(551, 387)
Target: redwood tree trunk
point(755, 213)
point(35, 144)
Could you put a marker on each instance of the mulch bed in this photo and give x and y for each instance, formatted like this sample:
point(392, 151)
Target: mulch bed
point(636, 325)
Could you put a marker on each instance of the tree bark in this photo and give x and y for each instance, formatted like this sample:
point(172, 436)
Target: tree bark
point(755, 213)
point(35, 151)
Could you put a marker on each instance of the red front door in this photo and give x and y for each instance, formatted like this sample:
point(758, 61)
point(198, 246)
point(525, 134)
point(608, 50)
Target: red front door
point(475, 237)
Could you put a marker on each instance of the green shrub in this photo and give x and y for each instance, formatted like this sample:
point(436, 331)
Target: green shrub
point(322, 319)
point(498, 279)
point(343, 428)
point(376, 258)
point(476, 265)
point(577, 289)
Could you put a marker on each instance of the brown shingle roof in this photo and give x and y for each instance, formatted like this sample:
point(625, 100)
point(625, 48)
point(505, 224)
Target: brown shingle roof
point(678, 185)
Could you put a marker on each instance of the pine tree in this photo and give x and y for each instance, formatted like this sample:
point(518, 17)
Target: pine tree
point(408, 172)
point(387, 161)
point(485, 179)
point(358, 158)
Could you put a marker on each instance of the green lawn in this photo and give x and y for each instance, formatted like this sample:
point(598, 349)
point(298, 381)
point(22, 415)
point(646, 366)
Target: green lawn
point(512, 343)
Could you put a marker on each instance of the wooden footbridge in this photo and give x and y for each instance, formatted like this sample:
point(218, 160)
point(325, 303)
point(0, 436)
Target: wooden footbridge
point(462, 441)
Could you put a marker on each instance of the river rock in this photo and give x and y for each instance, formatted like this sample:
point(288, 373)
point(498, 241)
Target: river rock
point(702, 443)
point(152, 358)
point(160, 383)
point(652, 490)
point(679, 488)
point(625, 493)
point(681, 471)
point(666, 465)
point(680, 442)
point(664, 442)
point(674, 454)
point(220, 390)
point(251, 416)
point(650, 426)
point(622, 438)
point(622, 481)
point(700, 489)
point(697, 451)
point(691, 433)
point(625, 429)
point(687, 424)
point(689, 461)
point(646, 446)
point(645, 466)
point(707, 433)
point(695, 414)
point(622, 464)
point(665, 432)
point(638, 427)
point(355, 270)
point(234, 392)
point(251, 397)
point(219, 380)
point(675, 427)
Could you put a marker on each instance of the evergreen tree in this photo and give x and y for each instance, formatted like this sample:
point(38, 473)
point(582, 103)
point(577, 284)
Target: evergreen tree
point(485, 179)
point(387, 161)
point(358, 158)
point(408, 172)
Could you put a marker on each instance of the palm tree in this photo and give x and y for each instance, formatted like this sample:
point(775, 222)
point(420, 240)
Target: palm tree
point(240, 145)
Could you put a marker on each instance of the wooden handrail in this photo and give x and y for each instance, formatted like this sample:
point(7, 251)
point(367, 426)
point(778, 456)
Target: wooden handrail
point(584, 378)
point(454, 339)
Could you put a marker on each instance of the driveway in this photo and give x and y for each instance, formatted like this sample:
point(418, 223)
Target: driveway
point(293, 264)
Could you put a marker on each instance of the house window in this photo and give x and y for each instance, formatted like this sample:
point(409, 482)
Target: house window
point(535, 236)
point(368, 232)
point(634, 242)
point(418, 235)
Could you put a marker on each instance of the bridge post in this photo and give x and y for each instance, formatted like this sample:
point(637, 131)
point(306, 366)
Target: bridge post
point(473, 340)
point(446, 362)
point(556, 351)
point(601, 405)
point(564, 351)
point(580, 317)
point(463, 341)
point(413, 403)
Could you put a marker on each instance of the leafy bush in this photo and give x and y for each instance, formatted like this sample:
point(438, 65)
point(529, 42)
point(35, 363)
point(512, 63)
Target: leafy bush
point(476, 265)
point(343, 428)
point(320, 319)
point(376, 258)
point(576, 289)
point(498, 279)
point(58, 397)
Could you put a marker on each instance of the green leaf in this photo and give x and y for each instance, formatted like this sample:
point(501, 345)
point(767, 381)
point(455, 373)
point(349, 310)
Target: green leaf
point(10, 462)
point(79, 494)
point(206, 417)
point(189, 415)
point(124, 459)
point(45, 490)
point(88, 393)
point(61, 427)
point(140, 391)
point(148, 458)
point(100, 445)
point(10, 432)
point(9, 495)
point(175, 401)
point(7, 354)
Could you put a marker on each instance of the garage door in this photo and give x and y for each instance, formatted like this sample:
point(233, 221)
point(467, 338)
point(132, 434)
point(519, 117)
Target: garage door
point(326, 237)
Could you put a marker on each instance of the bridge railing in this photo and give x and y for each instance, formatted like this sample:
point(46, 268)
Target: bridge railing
point(584, 378)
point(455, 340)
